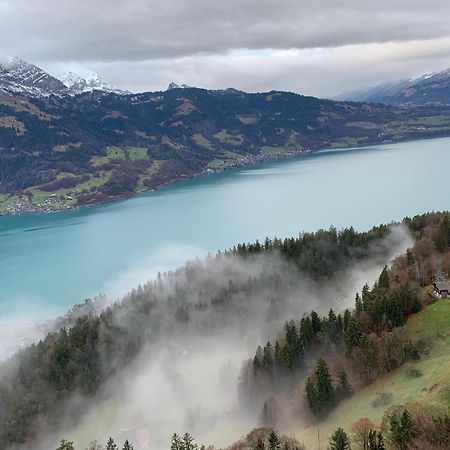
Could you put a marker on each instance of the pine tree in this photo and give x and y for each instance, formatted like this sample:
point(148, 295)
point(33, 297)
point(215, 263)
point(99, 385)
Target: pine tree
point(365, 296)
point(346, 319)
point(402, 429)
point(334, 327)
point(443, 235)
point(339, 440)
point(257, 360)
point(66, 445)
point(176, 442)
point(111, 445)
point(409, 258)
point(306, 331)
point(127, 445)
point(267, 361)
point(311, 397)
point(188, 442)
point(324, 386)
point(358, 304)
point(383, 280)
point(352, 335)
point(315, 322)
point(273, 441)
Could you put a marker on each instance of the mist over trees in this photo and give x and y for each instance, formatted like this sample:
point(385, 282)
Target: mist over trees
point(254, 292)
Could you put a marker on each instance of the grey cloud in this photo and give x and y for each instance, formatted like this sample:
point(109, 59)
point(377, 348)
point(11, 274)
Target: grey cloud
point(109, 30)
point(317, 47)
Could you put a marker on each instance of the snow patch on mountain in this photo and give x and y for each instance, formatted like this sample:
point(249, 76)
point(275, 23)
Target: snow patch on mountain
point(20, 77)
point(177, 86)
point(89, 83)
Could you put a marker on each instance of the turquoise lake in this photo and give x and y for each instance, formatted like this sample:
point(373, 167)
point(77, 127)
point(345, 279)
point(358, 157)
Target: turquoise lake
point(49, 262)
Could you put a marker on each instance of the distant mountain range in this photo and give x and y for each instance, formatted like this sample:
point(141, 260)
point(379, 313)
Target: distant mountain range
point(429, 88)
point(20, 77)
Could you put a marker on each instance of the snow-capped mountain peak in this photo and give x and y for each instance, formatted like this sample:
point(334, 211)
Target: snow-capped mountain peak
point(18, 76)
point(89, 83)
point(177, 86)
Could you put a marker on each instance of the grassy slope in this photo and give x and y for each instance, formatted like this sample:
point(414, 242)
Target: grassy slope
point(433, 387)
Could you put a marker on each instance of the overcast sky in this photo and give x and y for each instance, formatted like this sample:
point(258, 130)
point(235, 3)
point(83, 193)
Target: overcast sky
point(318, 47)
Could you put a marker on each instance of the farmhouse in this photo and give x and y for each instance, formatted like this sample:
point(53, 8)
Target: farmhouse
point(441, 288)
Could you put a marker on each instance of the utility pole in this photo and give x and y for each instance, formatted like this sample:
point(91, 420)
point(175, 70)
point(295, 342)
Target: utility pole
point(318, 439)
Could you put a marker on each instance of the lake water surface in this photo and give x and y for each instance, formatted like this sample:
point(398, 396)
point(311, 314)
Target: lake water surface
point(48, 262)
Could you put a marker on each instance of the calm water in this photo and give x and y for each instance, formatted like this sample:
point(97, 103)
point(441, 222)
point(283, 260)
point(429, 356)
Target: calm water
point(48, 262)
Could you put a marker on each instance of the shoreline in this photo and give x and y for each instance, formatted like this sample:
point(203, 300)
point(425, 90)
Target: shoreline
point(20, 208)
point(244, 161)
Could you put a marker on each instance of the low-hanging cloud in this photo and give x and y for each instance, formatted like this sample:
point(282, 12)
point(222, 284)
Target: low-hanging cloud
point(186, 379)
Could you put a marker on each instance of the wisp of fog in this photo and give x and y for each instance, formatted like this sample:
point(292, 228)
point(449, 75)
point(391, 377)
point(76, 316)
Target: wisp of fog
point(185, 376)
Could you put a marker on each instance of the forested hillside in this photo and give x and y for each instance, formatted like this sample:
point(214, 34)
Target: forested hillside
point(330, 358)
point(315, 363)
point(60, 152)
point(258, 285)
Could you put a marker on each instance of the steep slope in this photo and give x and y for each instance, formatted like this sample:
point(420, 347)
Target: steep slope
point(19, 77)
point(429, 88)
point(432, 387)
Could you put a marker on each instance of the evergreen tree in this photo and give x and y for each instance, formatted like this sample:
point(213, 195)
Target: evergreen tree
point(315, 322)
point(111, 445)
point(383, 280)
point(346, 320)
point(344, 389)
point(352, 334)
point(127, 446)
point(358, 304)
point(257, 360)
point(66, 445)
point(339, 440)
point(267, 361)
point(409, 258)
point(306, 331)
point(324, 386)
point(188, 442)
point(402, 429)
point(365, 296)
point(311, 397)
point(176, 442)
point(293, 350)
point(443, 235)
point(273, 441)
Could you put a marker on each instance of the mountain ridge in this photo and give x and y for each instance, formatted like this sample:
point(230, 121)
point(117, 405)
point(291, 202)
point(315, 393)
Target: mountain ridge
point(21, 77)
point(428, 88)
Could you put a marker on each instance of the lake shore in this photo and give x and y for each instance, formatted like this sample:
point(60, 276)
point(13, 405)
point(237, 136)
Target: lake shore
point(54, 204)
